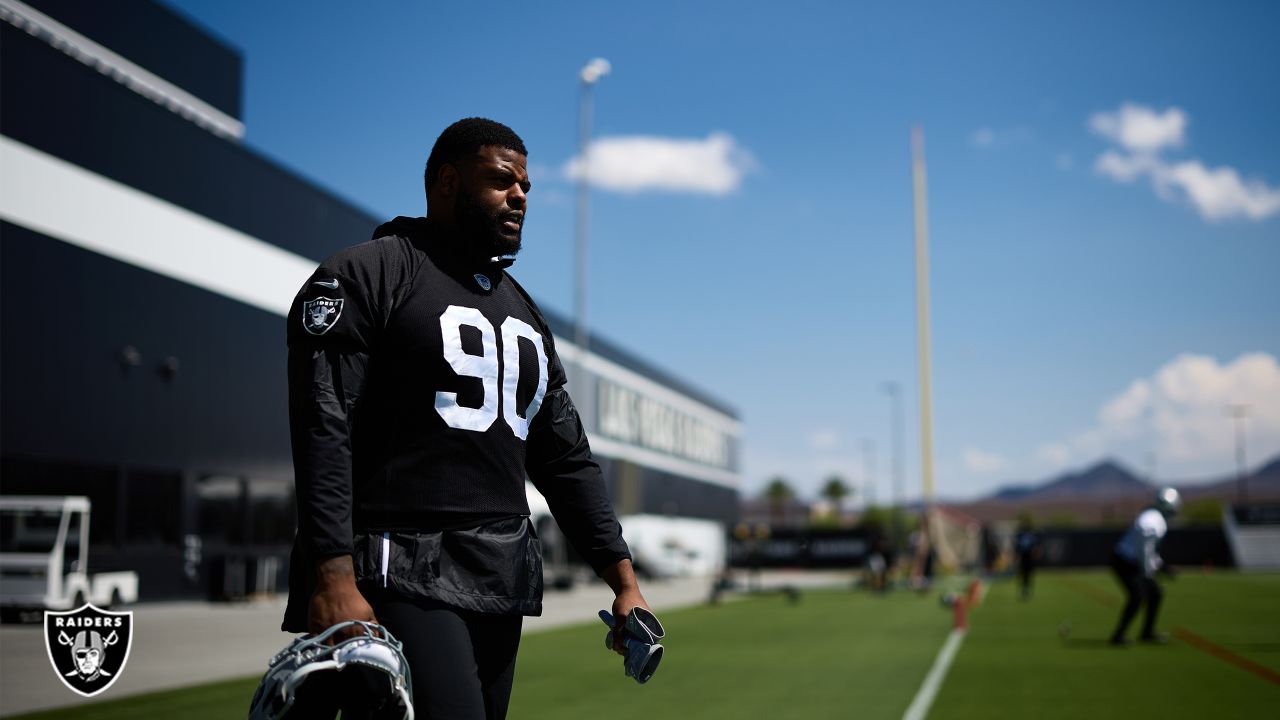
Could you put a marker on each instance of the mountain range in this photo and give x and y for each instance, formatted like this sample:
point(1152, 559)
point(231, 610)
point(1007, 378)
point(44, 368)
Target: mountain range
point(1108, 493)
point(1109, 480)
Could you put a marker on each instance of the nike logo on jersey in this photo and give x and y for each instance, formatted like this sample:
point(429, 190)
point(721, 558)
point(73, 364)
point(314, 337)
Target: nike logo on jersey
point(331, 284)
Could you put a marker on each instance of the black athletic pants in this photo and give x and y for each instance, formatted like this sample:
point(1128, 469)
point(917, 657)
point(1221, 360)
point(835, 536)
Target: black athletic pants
point(463, 662)
point(1139, 589)
point(1026, 567)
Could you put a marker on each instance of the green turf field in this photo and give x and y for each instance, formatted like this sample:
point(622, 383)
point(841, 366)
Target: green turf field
point(1015, 662)
point(850, 655)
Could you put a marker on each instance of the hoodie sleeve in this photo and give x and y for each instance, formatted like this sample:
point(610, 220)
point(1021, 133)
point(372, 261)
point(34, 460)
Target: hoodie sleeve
point(559, 463)
point(332, 324)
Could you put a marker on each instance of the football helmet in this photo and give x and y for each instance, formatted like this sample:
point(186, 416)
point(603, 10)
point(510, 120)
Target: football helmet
point(1168, 501)
point(370, 668)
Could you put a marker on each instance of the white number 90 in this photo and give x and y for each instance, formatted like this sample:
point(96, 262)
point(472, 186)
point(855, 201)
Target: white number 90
point(486, 368)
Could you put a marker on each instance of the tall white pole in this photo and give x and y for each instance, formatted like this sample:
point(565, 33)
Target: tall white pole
point(922, 311)
point(580, 223)
point(1240, 412)
point(868, 472)
point(590, 73)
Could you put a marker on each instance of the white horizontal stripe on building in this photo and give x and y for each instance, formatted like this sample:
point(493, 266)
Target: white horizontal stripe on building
point(65, 201)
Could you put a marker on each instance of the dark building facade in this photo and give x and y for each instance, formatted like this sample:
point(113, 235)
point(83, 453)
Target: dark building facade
point(144, 278)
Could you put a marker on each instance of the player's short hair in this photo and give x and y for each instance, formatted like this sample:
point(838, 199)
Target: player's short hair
point(464, 138)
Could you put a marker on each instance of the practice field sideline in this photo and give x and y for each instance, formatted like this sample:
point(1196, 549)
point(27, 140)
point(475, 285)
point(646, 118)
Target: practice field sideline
point(839, 654)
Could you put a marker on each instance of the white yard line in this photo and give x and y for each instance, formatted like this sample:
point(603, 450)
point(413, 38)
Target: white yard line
point(919, 707)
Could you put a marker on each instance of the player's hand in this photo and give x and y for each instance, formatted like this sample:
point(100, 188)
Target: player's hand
point(621, 577)
point(622, 606)
point(337, 599)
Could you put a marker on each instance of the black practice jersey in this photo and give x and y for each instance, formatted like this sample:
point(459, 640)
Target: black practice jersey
point(424, 387)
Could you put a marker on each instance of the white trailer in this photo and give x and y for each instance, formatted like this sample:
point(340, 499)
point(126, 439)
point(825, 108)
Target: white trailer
point(44, 557)
point(661, 546)
point(664, 546)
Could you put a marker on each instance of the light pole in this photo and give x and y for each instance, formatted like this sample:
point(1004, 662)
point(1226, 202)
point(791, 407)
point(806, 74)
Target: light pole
point(588, 76)
point(1240, 412)
point(869, 472)
point(894, 391)
point(1151, 478)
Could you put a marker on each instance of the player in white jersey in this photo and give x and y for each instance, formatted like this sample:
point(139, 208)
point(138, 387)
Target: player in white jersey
point(1136, 560)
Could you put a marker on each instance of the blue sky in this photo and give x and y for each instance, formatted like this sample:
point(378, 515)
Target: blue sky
point(1104, 198)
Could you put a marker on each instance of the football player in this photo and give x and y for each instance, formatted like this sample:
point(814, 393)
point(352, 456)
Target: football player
point(424, 386)
point(1136, 560)
point(1027, 542)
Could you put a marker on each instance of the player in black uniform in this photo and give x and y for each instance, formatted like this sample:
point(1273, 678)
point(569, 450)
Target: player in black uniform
point(424, 386)
point(1027, 543)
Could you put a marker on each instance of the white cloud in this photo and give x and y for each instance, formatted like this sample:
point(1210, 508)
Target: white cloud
point(1181, 413)
point(1125, 168)
point(977, 461)
point(1140, 129)
point(714, 165)
point(1219, 193)
point(1191, 398)
point(1216, 193)
point(1128, 407)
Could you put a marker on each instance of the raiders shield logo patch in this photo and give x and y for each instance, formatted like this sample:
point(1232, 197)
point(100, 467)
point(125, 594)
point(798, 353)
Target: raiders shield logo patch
point(320, 315)
point(88, 647)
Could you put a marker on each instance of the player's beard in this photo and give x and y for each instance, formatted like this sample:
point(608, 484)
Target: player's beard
point(484, 227)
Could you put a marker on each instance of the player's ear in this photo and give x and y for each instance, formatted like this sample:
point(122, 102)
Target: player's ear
point(447, 180)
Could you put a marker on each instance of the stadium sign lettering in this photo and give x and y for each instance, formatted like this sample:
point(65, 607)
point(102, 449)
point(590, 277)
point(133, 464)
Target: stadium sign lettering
point(845, 547)
point(633, 418)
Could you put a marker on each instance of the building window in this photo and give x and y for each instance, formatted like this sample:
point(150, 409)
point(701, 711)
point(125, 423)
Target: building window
point(272, 516)
point(219, 500)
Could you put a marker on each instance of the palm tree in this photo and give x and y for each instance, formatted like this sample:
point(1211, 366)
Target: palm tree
point(835, 491)
point(778, 492)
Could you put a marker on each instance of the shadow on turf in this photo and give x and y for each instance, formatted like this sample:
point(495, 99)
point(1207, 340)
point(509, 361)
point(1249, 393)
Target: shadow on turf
point(1087, 643)
point(724, 587)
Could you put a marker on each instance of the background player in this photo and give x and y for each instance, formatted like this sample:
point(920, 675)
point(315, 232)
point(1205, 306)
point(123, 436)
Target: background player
point(1136, 561)
point(1029, 548)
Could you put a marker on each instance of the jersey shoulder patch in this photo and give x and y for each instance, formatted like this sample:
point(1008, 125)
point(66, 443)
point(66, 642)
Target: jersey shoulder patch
point(320, 314)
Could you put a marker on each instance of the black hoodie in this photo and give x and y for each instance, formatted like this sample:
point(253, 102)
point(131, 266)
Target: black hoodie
point(424, 387)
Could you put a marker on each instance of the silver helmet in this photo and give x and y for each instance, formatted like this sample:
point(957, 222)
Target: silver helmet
point(309, 664)
point(1168, 501)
